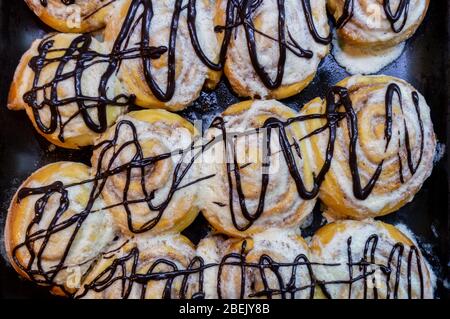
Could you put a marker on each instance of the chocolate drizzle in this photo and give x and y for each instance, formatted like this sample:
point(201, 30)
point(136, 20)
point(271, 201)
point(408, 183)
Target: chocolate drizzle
point(88, 15)
point(332, 118)
point(239, 12)
point(80, 53)
point(338, 108)
point(401, 14)
point(192, 277)
point(347, 14)
point(105, 170)
point(337, 97)
point(65, 2)
point(395, 89)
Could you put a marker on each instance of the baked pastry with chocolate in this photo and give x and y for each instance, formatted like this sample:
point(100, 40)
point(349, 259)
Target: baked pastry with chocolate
point(270, 48)
point(64, 84)
point(143, 267)
point(56, 227)
point(260, 178)
point(73, 15)
point(377, 139)
point(145, 165)
point(373, 260)
point(371, 33)
point(171, 41)
point(272, 264)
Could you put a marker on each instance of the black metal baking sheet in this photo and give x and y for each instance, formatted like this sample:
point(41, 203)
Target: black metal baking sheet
point(424, 63)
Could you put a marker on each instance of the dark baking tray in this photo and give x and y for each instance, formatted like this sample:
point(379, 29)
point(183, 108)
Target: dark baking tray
point(424, 63)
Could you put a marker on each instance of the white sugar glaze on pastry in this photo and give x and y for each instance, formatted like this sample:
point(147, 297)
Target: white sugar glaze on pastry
point(372, 32)
point(282, 204)
point(385, 263)
point(365, 61)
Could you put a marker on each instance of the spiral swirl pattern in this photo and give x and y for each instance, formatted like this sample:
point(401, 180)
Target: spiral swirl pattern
point(175, 79)
point(383, 152)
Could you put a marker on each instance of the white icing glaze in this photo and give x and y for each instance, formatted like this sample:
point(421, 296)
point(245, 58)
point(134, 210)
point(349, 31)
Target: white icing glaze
point(89, 82)
point(93, 237)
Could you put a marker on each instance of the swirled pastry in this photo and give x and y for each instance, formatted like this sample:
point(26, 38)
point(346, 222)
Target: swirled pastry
point(272, 264)
point(72, 15)
point(260, 178)
point(271, 49)
point(170, 41)
point(372, 260)
point(55, 229)
point(63, 84)
point(379, 143)
point(370, 33)
point(142, 268)
point(146, 170)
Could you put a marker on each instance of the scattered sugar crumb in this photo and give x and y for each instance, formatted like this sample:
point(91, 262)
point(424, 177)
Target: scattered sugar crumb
point(440, 152)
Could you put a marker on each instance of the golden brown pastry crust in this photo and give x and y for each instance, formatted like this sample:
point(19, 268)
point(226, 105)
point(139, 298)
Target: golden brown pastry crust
point(112, 277)
point(279, 245)
point(191, 74)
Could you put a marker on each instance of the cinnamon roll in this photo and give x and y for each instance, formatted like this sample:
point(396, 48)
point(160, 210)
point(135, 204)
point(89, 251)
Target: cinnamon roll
point(72, 15)
point(55, 229)
point(272, 264)
point(181, 35)
point(371, 260)
point(64, 85)
point(271, 49)
point(377, 139)
point(371, 33)
point(260, 178)
point(145, 168)
point(145, 267)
